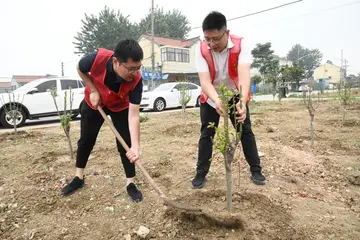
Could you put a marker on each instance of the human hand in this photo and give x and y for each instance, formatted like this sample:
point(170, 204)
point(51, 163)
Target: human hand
point(133, 154)
point(95, 99)
point(219, 108)
point(241, 112)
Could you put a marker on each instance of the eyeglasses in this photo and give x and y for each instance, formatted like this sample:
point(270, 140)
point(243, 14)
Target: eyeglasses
point(132, 69)
point(215, 39)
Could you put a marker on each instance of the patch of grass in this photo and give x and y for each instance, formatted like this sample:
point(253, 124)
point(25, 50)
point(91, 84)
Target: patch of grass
point(258, 94)
point(19, 141)
point(357, 145)
point(263, 103)
point(195, 114)
point(293, 95)
point(52, 138)
point(144, 118)
point(259, 110)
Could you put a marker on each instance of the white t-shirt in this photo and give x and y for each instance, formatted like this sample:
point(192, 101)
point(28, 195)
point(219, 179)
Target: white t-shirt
point(221, 64)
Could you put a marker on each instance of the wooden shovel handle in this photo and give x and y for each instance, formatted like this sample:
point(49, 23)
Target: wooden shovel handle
point(126, 147)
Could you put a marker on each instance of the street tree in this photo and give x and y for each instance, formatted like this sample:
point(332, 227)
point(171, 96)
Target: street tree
point(268, 66)
point(109, 26)
point(305, 58)
point(172, 24)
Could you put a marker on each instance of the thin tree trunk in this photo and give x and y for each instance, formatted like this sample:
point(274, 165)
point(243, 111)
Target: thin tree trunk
point(15, 129)
point(228, 157)
point(67, 133)
point(312, 129)
point(229, 182)
point(239, 165)
point(14, 115)
point(183, 109)
point(184, 115)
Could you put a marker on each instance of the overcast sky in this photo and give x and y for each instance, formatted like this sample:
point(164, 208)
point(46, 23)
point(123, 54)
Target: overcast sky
point(37, 35)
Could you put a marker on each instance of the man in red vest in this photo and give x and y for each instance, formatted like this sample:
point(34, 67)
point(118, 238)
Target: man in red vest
point(223, 58)
point(113, 82)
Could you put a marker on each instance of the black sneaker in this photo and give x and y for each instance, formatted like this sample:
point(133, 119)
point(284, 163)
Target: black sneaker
point(199, 181)
point(134, 193)
point(258, 178)
point(75, 184)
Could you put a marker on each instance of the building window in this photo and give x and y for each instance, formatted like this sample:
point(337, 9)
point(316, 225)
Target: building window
point(178, 56)
point(185, 56)
point(174, 55)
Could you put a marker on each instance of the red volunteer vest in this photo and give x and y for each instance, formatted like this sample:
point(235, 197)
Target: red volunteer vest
point(232, 63)
point(115, 102)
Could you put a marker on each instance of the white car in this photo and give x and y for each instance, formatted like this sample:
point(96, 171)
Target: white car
point(167, 95)
point(34, 100)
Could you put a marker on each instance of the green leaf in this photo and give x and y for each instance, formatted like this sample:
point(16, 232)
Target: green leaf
point(109, 26)
point(307, 59)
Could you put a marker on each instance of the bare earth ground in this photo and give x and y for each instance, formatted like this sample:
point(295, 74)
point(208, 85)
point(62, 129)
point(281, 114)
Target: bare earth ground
point(310, 193)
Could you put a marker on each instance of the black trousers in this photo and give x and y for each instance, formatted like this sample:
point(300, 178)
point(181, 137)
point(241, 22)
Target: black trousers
point(208, 114)
point(91, 122)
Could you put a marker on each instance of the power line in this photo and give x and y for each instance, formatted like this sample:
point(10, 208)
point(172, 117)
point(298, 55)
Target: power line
point(316, 12)
point(255, 13)
point(285, 20)
point(266, 10)
point(332, 8)
point(290, 18)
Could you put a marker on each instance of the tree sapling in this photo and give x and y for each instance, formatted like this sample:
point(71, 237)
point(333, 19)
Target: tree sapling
point(311, 106)
point(184, 99)
point(225, 141)
point(66, 116)
point(345, 97)
point(13, 111)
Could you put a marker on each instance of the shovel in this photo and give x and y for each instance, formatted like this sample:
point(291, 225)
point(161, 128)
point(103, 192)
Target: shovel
point(226, 220)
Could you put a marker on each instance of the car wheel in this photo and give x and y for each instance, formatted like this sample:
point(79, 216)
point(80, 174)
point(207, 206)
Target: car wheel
point(198, 102)
point(7, 120)
point(159, 104)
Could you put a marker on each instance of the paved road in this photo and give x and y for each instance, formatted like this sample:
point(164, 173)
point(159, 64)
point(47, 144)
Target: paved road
point(54, 121)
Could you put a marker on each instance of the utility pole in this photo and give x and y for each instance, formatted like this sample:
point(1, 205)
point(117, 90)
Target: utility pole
point(345, 70)
point(62, 68)
point(345, 66)
point(341, 68)
point(298, 58)
point(152, 45)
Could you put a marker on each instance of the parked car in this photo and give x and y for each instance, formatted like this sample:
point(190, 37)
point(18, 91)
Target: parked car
point(35, 100)
point(167, 96)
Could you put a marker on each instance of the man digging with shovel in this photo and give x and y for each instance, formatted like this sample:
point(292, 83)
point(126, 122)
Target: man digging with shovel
point(113, 82)
point(223, 58)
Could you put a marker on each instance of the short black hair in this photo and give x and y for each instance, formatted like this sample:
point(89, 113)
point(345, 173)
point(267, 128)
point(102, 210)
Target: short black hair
point(128, 48)
point(214, 21)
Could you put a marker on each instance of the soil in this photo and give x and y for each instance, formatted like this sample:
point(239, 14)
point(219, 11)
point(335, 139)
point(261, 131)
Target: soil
point(311, 192)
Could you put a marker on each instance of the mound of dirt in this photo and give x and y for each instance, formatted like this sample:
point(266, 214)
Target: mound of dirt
point(253, 212)
point(352, 123)
point(51, 156)
point(181, 130)
point(9, 136)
